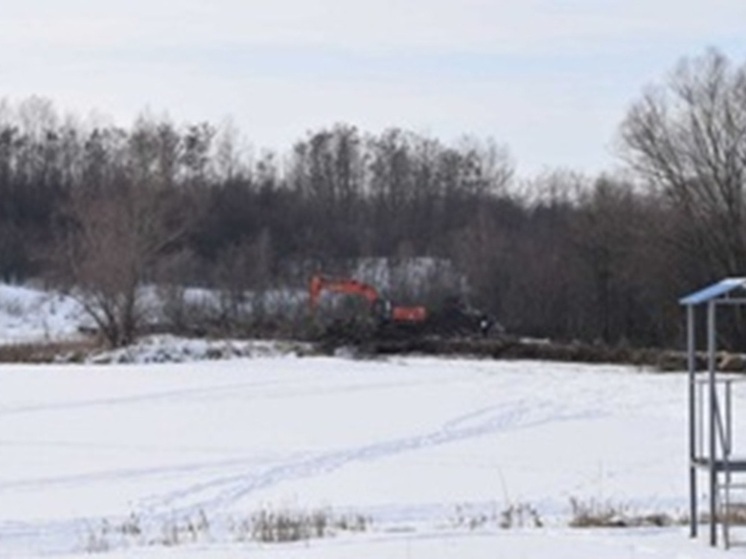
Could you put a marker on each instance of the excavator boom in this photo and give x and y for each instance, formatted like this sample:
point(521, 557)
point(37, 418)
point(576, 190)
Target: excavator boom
point(320, 283)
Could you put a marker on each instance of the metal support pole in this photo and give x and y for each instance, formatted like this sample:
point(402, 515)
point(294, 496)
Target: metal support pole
point(712, 413)
point(692, 365)
point(726, 465)
point(728, 417)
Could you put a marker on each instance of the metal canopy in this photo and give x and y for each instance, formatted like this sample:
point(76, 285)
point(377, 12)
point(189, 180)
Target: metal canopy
point(710, 420)
point(717, 290)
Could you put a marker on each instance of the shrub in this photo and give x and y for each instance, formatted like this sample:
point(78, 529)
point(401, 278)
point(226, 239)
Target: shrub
point(520, 515)
point(268, 526)
point(595, 514)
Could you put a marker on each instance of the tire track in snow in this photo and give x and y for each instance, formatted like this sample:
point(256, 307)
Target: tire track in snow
point(219, 493)
point(232, 480)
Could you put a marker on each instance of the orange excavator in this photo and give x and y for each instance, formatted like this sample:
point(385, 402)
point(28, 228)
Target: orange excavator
point(381, 308)
point(452, 318)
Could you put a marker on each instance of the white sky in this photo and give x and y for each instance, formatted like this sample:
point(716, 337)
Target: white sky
point(552, 79)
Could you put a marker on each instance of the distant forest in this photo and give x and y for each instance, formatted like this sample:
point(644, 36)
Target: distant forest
point(563, 255)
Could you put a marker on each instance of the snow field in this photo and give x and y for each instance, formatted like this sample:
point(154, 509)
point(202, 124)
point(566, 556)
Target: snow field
point(420, 447)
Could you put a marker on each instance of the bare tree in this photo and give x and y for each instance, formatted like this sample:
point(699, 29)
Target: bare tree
point(114, 230)
point(688, 138)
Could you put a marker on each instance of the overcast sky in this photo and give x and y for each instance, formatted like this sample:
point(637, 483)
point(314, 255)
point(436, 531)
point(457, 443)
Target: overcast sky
point(552, 79)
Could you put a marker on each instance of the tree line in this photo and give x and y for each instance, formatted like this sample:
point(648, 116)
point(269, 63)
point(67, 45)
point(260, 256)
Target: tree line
point(103, 210)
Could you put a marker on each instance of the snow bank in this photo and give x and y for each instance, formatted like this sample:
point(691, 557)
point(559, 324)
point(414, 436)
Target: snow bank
point(173, 349)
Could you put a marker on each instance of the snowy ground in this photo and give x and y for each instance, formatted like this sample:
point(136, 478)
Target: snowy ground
point(432, 454)
point(429, 452)
point(33, 315)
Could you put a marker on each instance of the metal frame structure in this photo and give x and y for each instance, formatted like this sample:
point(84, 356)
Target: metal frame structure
point(710, 410)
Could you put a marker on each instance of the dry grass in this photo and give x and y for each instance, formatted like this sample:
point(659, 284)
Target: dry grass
point(264, 526)
point(132, 532)
point(520, 515)
point(49, 352)
point(597, 514)
point(511, 347)
point(514, 515)
point(736, 516)
point(269, 526)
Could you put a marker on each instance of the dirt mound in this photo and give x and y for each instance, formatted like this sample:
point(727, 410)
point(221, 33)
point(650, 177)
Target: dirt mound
point(506, 347)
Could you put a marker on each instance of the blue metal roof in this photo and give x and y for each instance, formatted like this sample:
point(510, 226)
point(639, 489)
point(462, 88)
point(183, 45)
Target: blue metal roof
point(723, 287)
